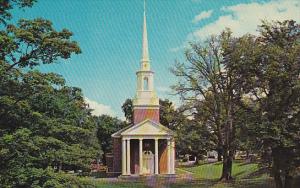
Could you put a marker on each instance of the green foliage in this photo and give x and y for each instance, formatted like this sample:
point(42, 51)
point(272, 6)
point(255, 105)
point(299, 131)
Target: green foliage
point(127, 108)
point(106, 126)
point(246, 91)
point(211, 92)
point(189, 132)
point(167, 113)
point(268, 70)
point(7, 5)
point(44, 178)
point(33, 42)
point(42, 126)
point(45, 126)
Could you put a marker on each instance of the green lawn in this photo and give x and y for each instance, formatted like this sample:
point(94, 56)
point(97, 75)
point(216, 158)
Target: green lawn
point(213, 171)
point(206, 175)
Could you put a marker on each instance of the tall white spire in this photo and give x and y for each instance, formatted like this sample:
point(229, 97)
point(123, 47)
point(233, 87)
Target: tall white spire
point(145, 51)
point(145, 98)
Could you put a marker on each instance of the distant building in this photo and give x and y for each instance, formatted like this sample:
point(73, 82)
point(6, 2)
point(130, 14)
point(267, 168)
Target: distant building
point(212, 154)
point(146, 147)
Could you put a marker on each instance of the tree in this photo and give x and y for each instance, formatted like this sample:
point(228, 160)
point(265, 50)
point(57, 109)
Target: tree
point(127, 108)
point(168, 114)
point(7, 5)
point(43, 129)
point(106, 126)
point(190, 131)
point(45, 126)
point(202, 112)
point(205, 81)
point(33, 42)
point(268, 69)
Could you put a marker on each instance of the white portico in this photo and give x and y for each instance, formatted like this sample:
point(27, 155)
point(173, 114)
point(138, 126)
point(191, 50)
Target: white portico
point(155, 148)
point(146, 147)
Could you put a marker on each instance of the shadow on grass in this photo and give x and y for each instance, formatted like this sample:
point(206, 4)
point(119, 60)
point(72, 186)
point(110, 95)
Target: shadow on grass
point(244, 163)
point(259, 183)
point(258, 173)
point(263, 183)
point(240, 173)
point(183, 183)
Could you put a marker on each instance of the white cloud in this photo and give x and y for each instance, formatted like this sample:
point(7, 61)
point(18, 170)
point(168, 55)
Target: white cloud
point(99, 109)
point(203, 15)
point(244, 18)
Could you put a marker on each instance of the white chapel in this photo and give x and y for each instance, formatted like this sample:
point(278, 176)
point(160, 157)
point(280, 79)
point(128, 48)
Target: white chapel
point(146, 147)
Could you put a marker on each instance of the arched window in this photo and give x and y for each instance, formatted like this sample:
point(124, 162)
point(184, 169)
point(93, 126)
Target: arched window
point(146, 84)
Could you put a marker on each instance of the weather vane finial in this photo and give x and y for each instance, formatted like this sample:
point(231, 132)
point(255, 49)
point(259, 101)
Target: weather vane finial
point(144, 6)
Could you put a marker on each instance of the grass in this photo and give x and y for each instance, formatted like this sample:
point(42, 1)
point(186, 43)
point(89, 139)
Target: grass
point(213, 171)
point(246, 175)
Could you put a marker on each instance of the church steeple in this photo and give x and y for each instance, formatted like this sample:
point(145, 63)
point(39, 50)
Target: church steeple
point(145, 61)
point(145, 103)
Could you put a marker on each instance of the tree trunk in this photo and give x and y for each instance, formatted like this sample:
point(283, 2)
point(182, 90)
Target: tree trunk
point(288, 180)
point(277, 178)
point(227, 170)
point(228, 148)
point(104, 158)
point(219, 155)
point(227, 165)
point(276, 170)
point(219, 149)
point(60, 167)
point(197, 160)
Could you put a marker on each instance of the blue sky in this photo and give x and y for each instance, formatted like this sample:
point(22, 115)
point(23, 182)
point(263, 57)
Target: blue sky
point(109, 33)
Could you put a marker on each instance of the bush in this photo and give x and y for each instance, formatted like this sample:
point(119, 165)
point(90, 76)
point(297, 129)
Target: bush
point(43, 178)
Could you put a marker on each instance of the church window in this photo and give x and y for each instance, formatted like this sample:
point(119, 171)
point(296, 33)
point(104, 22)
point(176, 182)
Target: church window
point(146, 84)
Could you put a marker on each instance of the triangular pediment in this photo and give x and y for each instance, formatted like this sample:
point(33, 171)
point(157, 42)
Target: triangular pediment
point(147, 127)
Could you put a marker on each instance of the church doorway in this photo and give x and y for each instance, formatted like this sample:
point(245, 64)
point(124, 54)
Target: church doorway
point(148, 163)
point(148, 157)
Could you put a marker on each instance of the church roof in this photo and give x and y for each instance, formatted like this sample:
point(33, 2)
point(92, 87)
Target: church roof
point(144, 128)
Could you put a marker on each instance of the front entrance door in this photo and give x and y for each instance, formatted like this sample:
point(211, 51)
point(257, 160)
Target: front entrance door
point(148, 162)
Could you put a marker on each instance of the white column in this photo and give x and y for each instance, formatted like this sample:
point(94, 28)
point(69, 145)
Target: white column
point(141, 156)
point(169, 156)
point(128, 157)
point(172, 156)
point(124, 157)
point(156, 156)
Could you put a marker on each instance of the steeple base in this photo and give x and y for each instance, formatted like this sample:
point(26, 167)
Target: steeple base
point(142, 113)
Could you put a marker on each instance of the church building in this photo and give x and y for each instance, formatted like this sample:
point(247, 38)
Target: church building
point(146, 147)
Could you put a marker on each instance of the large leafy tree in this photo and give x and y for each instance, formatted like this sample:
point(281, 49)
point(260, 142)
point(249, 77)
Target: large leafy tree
point(190, 130)
point(106, 126)
point(268, 68)
point(44, 124)
point(210, 88)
